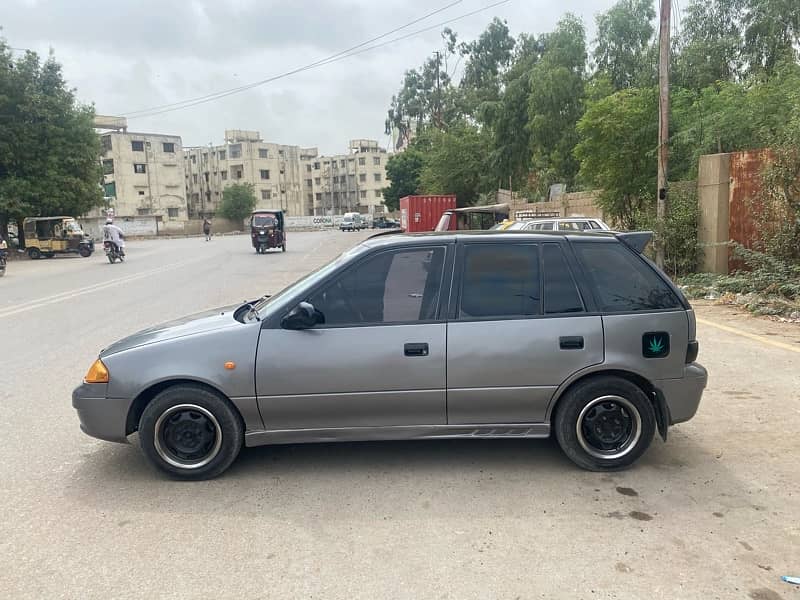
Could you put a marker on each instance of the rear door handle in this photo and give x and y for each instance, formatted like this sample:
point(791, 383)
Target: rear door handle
point(574, 342)
point(415, 349)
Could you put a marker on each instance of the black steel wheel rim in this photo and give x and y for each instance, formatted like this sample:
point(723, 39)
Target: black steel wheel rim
point(609, 427)
point(187, 436)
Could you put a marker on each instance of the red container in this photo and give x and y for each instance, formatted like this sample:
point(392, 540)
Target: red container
point(422, 213)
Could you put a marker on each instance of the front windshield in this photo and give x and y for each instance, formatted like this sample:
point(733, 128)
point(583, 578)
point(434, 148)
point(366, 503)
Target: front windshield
point(264, 221)
point(307, 282)
point(73, 227)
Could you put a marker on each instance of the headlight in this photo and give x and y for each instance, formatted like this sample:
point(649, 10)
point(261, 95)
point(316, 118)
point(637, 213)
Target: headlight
point(97, 373)
point(261, 232)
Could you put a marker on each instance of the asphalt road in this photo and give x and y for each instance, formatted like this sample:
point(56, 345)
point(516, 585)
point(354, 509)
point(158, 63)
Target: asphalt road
point(713, 513)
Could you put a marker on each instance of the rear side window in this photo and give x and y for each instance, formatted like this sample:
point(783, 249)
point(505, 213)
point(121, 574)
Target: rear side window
point(560, 293)
point(500, 280)
point(622, 281)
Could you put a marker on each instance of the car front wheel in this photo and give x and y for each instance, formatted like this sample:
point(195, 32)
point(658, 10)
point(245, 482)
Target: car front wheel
point(190, 432)
point(605, 423)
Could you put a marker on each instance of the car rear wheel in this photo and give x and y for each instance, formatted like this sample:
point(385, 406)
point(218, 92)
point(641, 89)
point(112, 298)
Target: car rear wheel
point(605, 423)
point(34, 253)
point(190, 432)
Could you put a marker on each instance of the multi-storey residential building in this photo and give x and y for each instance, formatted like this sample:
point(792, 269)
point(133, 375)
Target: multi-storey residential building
point(275, 171)
point(143, 174)
point(351, 182)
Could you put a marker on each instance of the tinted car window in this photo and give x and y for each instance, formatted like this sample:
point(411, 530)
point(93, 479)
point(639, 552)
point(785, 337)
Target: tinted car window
point(500, 280)
point(560, 293)
point(595, 225)
point(622, 281)
point(391, 287)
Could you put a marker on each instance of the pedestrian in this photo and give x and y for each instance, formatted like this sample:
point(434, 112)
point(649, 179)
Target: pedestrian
point(207, 228)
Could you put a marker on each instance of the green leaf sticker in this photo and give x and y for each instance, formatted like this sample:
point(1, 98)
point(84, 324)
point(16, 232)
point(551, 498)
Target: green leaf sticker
point(655, 344)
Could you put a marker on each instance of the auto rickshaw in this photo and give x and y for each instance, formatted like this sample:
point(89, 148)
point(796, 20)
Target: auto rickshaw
point(267, 230)
point(473, 217)
point(48, 236)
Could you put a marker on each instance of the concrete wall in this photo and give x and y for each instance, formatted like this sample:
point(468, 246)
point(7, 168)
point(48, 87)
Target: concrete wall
point(131, 226)
point(573, 204)
point(713, 191)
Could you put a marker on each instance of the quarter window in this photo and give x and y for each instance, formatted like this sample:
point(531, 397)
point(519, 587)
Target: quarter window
point(622, 281)
point(392, 287)
point(501, 281)
point(560, 293)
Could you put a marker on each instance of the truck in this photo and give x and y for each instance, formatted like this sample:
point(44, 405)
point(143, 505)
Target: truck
point(422, 213)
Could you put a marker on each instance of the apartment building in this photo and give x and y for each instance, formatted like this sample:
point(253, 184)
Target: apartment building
point(143, 175)
point(350, 182)
point(273, 169)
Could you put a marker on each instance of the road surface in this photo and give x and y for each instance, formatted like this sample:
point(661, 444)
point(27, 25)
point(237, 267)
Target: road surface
point(713, 513)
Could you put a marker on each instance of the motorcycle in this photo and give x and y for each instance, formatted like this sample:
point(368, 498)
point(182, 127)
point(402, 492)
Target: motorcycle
point(2, 262)
point(113, 252)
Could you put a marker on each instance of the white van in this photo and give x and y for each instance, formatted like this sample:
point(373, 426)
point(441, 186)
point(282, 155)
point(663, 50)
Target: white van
point(352, 221)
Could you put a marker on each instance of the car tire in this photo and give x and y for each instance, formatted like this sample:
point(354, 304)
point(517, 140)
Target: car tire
point(190, 432)
point(34, 253)
point(604, 423)
point(84, 252)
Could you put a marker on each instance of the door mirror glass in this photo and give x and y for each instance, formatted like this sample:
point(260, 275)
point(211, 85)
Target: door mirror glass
point(302, 316)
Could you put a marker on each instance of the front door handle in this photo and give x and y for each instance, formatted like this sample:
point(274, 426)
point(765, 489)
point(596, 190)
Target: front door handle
point(415, 349)
point(572, 342)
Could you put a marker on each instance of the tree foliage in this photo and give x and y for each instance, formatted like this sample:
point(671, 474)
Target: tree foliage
point(403, 170)
point(48, 148)
point(624, 34)
point(238, 201)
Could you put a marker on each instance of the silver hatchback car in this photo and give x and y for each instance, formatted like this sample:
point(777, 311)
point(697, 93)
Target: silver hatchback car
point(467, 335)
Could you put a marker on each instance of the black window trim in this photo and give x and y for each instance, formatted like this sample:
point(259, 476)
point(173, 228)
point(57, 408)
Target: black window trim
point(454, 309)
point(570, 272)
point(441, 315)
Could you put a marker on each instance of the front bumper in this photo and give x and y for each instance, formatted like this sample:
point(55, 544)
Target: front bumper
point(103, 418)
point(682, 396)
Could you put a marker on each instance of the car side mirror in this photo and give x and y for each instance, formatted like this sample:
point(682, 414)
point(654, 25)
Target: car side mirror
point(302, 316)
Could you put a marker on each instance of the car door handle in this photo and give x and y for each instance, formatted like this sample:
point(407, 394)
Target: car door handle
point(415, 349)
point(574, 342)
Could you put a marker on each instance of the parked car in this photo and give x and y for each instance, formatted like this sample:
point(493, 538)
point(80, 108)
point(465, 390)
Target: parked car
point(469, 335)
point(566, 224)
point(384, 223)
point(352, 222)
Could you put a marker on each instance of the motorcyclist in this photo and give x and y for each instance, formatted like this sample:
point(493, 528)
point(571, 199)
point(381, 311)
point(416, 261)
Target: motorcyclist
point(113, 234)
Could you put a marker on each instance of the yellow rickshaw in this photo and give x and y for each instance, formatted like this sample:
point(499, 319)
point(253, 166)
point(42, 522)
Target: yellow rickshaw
point(48, 236)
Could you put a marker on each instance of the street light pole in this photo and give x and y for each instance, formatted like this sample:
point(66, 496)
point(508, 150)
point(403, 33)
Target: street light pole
point(663, 126)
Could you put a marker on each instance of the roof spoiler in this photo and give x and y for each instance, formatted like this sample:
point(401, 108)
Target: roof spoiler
point(637, 240)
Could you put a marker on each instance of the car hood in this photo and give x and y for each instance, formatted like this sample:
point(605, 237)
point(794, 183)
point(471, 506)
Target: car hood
point(212, 320)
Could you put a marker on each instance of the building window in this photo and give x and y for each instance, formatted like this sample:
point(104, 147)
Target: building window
point(205, 175)
point(235, 150)
point(238, 174)
point(138, 168)
point(309, 183)
point(170, 148)
point(137, 146)
point(376, 160)
point(264, 173)
point(173, 212)
point(222, 154)
point(108, 166)
point(194, 159)
point(308, 168)
point(363, 193)
point(141, 192)
point(318, 181)
point(378, 194)
point(224, 174)
point(310, 197)
point(194, 178)
point(319, 197)
point(316, 166)
point(105, 143)
point(263, 153)
point(377, 176)
point(280, 153)
point(362, 177)
point(264, 194)
point(205, 157)
point(362, 161)
point(342, 163)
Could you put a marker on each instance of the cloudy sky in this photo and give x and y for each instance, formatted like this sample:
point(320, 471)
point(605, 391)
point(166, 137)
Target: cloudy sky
point(130, 55)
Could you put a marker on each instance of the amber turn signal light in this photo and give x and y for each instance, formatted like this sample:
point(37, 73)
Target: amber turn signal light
point(98, 373)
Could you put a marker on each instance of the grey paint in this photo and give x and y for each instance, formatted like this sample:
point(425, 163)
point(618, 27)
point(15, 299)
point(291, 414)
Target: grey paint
point(507, 371)
point(683, 394)
point(347, 376)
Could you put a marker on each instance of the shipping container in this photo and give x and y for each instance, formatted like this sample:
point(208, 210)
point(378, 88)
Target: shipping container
point(422, 213)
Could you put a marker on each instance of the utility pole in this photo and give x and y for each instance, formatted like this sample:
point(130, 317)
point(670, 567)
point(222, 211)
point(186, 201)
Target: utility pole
point(438, 92)
point(663, 125)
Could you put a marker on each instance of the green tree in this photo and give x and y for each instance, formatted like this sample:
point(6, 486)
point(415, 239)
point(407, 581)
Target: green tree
point(455, 163)
point(403, 170)
point(487, 58)
point(555, 104)
point(238, 201)
point(771, 33)
point(48, 147)
point(624, 35)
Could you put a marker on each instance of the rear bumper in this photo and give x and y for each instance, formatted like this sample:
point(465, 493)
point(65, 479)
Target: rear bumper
point(682, 396)
point(103, 418)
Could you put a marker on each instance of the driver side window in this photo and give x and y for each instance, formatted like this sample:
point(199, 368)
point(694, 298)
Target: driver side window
point(397, 286)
